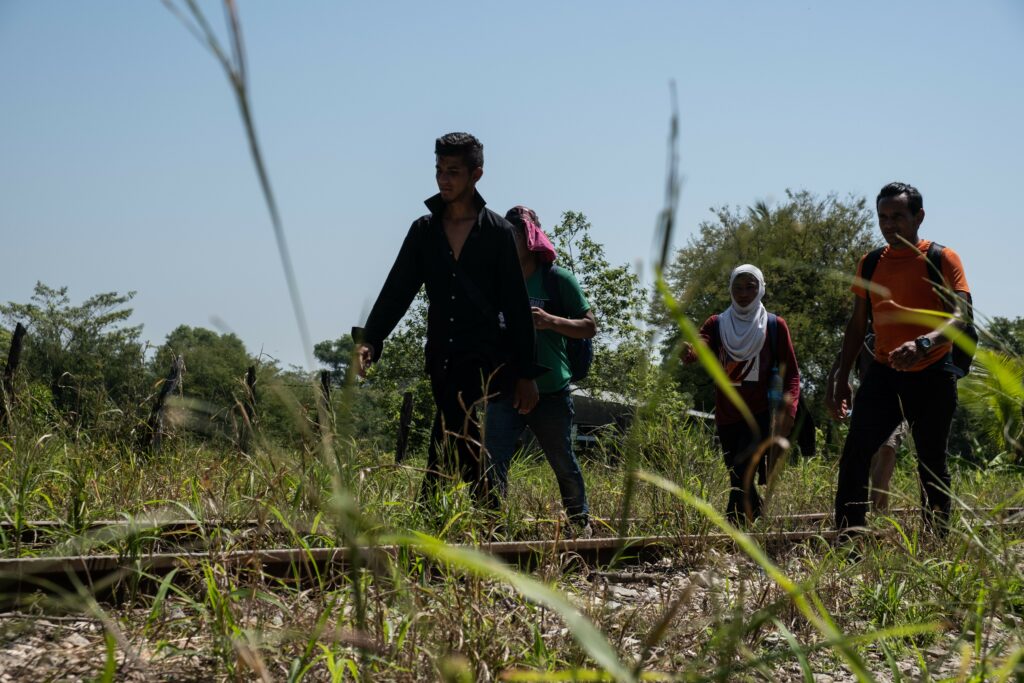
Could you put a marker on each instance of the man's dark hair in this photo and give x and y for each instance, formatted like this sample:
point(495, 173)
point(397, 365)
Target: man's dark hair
point(914, 200)
point(463, 145)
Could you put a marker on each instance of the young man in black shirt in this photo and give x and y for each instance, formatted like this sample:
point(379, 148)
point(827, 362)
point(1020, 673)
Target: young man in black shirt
point(480, 334)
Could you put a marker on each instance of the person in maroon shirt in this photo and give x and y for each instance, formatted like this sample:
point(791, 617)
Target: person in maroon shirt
point(740, 338)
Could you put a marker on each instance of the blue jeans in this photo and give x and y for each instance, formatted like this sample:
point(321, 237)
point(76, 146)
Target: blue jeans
point(551, 424)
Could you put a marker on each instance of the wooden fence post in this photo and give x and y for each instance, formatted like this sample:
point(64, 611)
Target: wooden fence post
point(7, 384)
point(248, 410)
point(324, 417)
point(403, 427)
point(156, 416)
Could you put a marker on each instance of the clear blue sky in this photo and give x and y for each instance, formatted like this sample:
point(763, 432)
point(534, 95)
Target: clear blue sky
point(124, 166)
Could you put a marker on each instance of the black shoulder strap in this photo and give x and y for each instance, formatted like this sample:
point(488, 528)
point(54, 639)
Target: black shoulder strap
point(554, 289)
point(938, 280)
point(870, 263)
point(867, 271)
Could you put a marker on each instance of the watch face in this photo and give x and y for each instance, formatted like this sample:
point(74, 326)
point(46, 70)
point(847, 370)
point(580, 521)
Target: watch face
point(923, 343)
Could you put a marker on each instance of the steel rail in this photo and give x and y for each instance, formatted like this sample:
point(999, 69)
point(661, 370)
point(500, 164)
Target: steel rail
point(35, 532)
point(117, 577)
point(100, 574)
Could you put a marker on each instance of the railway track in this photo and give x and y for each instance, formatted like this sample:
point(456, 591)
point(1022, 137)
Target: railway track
point(116, 576)
point(113, 574)
point(40, 533)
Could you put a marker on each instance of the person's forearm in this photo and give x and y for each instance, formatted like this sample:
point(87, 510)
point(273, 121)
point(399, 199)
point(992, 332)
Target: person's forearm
point(582, 328)
point(853, 340)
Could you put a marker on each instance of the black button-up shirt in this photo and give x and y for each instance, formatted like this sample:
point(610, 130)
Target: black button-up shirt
point(493, 322)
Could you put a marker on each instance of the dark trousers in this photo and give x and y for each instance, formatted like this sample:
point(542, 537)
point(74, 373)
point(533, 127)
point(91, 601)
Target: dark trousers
point(927, 400)
point(739, 446)
point(551, 424)
point(458, 384)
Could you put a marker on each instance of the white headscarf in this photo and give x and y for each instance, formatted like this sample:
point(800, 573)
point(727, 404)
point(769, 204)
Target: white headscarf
point(743, 329)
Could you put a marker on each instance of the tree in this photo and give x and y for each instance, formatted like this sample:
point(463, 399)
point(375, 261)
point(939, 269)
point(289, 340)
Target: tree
point(988, 420)
point(617, 300)
point(86, 355)
point(336, 354)
point(215, 363)
point(1006, 335)
point(808, 249)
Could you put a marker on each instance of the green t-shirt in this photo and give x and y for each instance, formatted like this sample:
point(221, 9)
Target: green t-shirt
point(550, 344)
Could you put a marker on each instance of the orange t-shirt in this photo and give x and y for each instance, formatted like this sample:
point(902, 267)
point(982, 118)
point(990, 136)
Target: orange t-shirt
point(900, 282)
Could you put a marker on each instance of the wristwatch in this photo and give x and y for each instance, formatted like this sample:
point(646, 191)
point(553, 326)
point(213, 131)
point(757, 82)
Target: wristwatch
point(923, 344)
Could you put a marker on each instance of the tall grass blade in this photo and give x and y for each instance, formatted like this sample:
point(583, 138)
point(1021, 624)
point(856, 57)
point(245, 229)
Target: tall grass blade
point(478, 564)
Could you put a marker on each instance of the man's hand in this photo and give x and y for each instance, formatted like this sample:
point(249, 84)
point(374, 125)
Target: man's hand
point(838, 403)
point(526, 396)
point(782, 420)
point(364, 358)
point(904, 356)
point(686, 352)
point(542, 320)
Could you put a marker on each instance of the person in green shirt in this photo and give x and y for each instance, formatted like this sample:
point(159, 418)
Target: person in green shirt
point(556, 316)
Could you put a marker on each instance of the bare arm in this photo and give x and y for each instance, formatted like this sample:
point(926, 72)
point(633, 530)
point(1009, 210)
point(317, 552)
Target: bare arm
point(575, 328)
point(853, 339)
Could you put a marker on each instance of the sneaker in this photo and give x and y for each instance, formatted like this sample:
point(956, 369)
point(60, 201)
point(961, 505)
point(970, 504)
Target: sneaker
point(584, 531)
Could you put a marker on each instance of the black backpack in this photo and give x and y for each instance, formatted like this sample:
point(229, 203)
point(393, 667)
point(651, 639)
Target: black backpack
point(960, 360)
point(580, 352)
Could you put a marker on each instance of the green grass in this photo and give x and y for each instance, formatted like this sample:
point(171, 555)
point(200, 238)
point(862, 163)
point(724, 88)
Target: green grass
point(908, 606)
point(909, 596)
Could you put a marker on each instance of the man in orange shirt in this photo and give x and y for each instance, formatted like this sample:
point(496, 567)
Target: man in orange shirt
point(912, 376)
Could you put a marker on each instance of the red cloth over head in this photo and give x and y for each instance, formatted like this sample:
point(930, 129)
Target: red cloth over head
point(536, 241)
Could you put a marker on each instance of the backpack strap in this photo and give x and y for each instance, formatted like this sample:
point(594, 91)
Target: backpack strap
point(938, 280)
point(958, 360)
point(935, 267)
point(553, 288)
point(774, 377)
point(867, 270)
point(773, 339)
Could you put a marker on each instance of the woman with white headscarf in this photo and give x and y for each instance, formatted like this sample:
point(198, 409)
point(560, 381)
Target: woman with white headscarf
point(764, 373)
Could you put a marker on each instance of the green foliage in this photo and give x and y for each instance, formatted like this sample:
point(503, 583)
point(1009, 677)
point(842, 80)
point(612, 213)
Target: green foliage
point(986, 426)
point(286, 405)
point(807, 247)
point(86, 355)
point(401, 369)
point(336, 354)
point(993, 395)
point(1005, 335)
point(617, 301)
point(215, 363)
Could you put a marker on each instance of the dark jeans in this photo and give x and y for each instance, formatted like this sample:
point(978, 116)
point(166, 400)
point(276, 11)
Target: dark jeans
point(457, 385)
point(926, 399)
point(739, 444)
point(551, 424)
